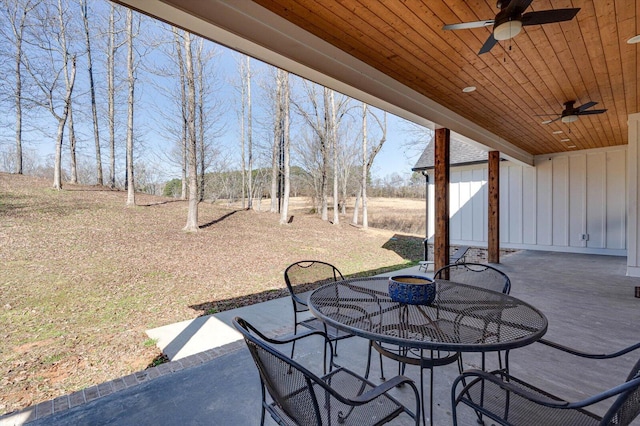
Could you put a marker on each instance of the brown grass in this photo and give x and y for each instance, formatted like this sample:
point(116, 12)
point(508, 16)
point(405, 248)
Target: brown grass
point(83, 276)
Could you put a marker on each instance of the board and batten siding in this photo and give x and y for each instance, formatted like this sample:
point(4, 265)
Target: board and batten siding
point(573, 202)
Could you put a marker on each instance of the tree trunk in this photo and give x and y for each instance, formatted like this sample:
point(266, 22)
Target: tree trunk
point(284, 210)
point(94, 109)
point(111, 53)
point(183, 110)
point(72, 146)
point(243, 160)
point(201, 120)
point(249, 136)
point(363, 189)
point(354, 220)
point(324, 148)
point(131, 194)
point(57, 171)
point(276, 147)
point(334, 146)
point(18, 32)
point(192, 215)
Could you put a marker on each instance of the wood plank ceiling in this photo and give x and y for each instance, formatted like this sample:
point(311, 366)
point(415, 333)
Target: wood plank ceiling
point(585, 59)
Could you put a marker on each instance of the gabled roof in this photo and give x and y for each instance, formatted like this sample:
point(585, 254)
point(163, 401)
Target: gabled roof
point(461, 154)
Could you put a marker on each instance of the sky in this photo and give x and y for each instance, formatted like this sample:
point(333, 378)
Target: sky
point(153, 103)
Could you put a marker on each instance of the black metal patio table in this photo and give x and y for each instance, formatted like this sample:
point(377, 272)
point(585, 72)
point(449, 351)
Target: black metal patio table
point(462, 318)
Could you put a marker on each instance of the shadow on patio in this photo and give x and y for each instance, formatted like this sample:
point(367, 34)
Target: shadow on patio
point(587, 299)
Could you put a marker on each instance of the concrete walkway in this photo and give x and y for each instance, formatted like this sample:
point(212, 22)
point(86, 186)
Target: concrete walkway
point(587, 299)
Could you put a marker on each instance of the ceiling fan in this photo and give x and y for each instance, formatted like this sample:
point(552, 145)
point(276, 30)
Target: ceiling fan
point(571, 113)
point(509, 21)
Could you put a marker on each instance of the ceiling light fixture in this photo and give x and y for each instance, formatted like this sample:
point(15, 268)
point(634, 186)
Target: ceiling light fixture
point(507, 30)
point(557, 132)
point(546, 121)
point(571, 146)
point(569, 118)
point(565, 140)
point(469, 89)
point(634, 39)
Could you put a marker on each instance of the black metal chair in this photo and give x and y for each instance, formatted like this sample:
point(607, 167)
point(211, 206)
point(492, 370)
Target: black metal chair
point(508, 400)
point(478, 275)
point(424, 359)
point(305, 275)
point(299, 397)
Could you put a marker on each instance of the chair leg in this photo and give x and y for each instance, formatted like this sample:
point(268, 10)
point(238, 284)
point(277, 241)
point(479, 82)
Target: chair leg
point(264, 402)
point(368, 369)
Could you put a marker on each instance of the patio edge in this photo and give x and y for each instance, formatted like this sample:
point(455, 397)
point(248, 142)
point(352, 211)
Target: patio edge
point(65, 402)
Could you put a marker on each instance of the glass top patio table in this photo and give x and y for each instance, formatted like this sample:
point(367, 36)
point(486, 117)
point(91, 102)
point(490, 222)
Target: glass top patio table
point(462, 318)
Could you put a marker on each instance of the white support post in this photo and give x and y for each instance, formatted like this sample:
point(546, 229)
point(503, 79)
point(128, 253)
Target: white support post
point(633, 198)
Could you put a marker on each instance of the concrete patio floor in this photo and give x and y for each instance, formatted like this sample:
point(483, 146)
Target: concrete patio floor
point(587, 299)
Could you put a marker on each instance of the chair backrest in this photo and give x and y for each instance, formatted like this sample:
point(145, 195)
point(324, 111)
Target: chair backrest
point(626, 407)
point(289, 384)
point(313, 273)
point(476, 274)
point(458, 255)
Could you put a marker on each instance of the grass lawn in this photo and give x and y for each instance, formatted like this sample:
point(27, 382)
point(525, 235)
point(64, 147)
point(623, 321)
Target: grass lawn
point(83, 276)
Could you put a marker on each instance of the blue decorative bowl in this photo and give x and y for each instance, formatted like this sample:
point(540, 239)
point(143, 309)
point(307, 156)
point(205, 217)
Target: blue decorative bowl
point(412, 289)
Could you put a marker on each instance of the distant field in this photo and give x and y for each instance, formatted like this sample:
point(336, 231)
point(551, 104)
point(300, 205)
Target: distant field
point(83, 276)
point(397, 214)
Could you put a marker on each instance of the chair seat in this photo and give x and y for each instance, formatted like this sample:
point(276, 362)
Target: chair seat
point(332, 332)
point(350, 385)
point(519, 411)
point(414, 357)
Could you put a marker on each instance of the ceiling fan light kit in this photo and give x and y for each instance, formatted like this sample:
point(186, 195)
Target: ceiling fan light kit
point(507, 30)
point(569, 118)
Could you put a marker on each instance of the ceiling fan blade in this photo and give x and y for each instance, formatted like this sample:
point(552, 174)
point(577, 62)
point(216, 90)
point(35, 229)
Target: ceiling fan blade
point(549, 16)
point(551, 121)
point(586, 106)
point(468, 25)
point(590, 112)
point(488, 45)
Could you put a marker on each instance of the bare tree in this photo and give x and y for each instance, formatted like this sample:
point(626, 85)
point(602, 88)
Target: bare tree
point(243, 94)
point(333, 134)
point(73, 161)
point(16, 13)
point(280, 147)
point(54, 62)
point(94, 108)
point(131, 193)
point(276, 146)
point(209, 113)
point(192, 215)
point(200, 101)
point(249, 136)
point(368, 155)
point(112, 47)
point(183, 102)
point(316, 118)
point(286, 95)
point(365, 158)
point(324, 122)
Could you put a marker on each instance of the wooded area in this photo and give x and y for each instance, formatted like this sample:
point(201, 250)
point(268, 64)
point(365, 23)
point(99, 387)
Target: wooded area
point(78, 72)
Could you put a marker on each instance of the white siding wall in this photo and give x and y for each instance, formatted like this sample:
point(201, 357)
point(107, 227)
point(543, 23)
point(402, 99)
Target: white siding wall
point(555, 205)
